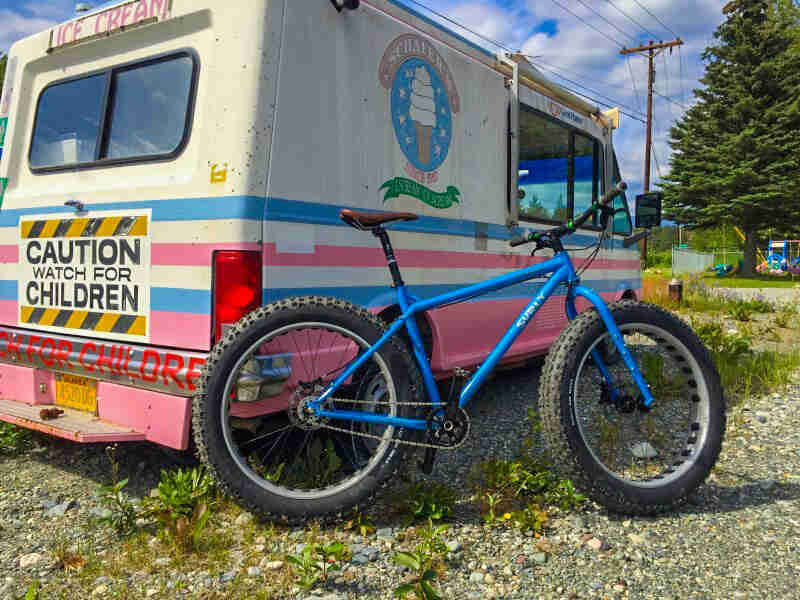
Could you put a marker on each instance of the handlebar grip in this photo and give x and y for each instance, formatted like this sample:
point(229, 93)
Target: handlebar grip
point(614, 192)
point(519, 241)
point(630, 241)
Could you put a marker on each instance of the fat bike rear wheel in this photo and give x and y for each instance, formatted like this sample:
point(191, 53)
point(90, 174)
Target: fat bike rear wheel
point(629, 458)
point(252, 422)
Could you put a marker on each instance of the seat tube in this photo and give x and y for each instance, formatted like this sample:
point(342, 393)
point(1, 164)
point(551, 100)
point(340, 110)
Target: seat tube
point(388, 251)
point(418, 347)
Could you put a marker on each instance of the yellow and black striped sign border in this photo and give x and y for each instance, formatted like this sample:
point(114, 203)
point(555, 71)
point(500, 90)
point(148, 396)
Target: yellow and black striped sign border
point(80, 227)
point(84, 320)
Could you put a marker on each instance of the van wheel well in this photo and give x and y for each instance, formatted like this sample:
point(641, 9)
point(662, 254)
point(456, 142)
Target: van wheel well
point(629, 295)
point(388, 315)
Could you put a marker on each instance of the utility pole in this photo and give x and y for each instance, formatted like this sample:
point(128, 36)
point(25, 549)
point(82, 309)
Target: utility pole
point(652, 50)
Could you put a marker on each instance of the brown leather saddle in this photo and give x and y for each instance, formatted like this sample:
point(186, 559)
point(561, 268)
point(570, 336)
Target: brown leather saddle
point(370, 220)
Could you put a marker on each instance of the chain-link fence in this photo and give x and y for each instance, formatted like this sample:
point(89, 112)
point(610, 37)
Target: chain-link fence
point(689, 261)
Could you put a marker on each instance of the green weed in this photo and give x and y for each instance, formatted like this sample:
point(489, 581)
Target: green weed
point(426, 500)
point(182, 505)
point(506, 485)
point(423, 563)
point(531, 518)
point(122, 516)
point(317, 561)
point(122, 511)
point(360, 523)
point(13, 440)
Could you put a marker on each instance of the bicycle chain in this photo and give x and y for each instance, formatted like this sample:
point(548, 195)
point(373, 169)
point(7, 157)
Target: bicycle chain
point(379, 438)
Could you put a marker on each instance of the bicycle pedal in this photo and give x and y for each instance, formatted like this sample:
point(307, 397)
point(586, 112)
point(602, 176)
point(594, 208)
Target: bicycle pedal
point(426, 464)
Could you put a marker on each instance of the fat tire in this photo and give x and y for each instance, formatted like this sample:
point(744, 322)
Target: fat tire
point(569, 452)
point(207, 425)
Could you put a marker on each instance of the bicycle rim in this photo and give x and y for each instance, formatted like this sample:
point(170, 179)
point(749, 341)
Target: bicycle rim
point(644, 448)
point(291, 456)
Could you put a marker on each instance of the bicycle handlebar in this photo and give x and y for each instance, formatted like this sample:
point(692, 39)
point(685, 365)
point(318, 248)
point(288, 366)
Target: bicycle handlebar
point(575, 223)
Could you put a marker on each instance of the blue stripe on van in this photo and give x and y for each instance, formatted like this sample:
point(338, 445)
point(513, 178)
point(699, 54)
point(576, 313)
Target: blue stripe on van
point(181, 209)
point(180, 300)
point(8, 289)
point(382, 295)
point(295, 211)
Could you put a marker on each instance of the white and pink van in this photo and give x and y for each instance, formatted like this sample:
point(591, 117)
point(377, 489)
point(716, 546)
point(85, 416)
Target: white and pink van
point(170, 165)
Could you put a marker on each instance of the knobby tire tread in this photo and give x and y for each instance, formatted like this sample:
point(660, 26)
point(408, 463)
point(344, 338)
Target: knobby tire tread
point(241, 328)
point(556, 420)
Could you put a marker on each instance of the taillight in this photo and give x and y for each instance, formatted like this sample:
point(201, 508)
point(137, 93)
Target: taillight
point(237, 287)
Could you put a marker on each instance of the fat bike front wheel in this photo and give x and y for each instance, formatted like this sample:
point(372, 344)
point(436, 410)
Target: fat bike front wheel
point(631, 459)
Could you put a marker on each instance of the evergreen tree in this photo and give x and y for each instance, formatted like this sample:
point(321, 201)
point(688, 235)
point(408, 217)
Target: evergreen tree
point(736, 152)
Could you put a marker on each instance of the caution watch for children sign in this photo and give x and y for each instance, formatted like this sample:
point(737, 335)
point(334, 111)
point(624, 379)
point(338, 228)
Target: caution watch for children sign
point(86, 276)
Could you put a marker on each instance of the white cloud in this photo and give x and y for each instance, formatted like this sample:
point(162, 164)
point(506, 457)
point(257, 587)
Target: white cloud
point(15, 27)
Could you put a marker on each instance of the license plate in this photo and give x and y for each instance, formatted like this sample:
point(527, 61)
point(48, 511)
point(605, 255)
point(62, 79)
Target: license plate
point(75, 392)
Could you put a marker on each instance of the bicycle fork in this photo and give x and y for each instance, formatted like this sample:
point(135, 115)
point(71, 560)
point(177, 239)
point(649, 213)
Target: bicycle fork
point(616, 337)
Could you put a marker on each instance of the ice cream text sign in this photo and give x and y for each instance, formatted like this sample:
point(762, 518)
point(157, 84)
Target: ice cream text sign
point(424, 101)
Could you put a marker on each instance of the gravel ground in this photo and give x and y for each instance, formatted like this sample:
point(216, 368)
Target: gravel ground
point(738, 538)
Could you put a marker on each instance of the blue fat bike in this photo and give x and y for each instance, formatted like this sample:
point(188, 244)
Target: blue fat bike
point(310, 405)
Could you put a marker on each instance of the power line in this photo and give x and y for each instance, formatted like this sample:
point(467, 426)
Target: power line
point(660, 22)
point(589, 25)
point(633, 81)
point(630, 37)
point(616, 102)
point(462, 26)
point(591, 78)
point(632, 20)
point(504, 47)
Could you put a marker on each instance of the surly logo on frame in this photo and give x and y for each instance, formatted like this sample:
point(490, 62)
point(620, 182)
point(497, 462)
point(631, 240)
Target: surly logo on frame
point(423, 102)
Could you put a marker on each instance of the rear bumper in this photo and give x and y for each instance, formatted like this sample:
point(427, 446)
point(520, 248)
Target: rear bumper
point(158, 369)
point(143, 393)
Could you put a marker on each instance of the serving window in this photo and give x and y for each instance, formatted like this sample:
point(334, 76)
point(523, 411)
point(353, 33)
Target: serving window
point(560, 169)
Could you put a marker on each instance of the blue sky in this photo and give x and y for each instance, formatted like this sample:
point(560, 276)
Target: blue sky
point(564, 44)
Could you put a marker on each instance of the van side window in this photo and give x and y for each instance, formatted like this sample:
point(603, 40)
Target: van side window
point(125, 114)
point(560, 170)
point(543, 168)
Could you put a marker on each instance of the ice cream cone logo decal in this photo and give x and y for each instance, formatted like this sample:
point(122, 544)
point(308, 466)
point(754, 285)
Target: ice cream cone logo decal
point(423, 99)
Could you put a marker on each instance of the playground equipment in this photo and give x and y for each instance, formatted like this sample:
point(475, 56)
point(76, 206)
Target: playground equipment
point(783, 254)
point(760, 254)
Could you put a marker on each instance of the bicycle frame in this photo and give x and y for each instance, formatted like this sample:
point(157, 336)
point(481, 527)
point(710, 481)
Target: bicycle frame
point(562, 272)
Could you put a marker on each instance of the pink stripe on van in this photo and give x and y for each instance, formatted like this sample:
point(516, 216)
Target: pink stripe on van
point(9, 253)
point(180, 330)
point(356, 256)
point(194, 255)
point(9, 312)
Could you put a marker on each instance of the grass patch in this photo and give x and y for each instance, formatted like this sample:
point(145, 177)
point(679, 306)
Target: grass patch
point(746, 372)
point(756, 281)
point(14, 440)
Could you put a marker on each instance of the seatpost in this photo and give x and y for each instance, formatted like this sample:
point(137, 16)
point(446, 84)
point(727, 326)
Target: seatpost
point(380, 233)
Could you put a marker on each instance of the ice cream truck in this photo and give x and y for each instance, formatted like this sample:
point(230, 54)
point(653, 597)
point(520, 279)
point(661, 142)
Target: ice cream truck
point(169, 166)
